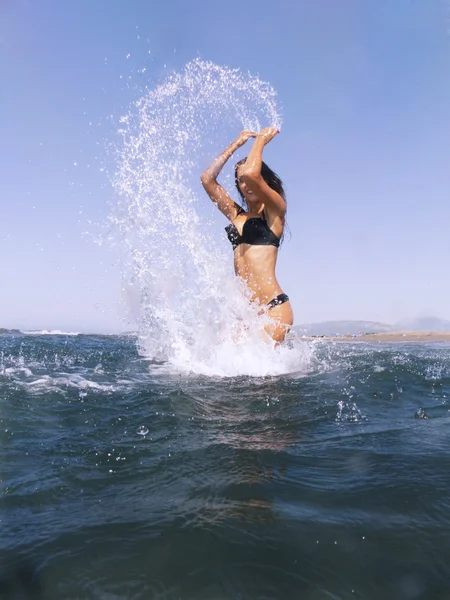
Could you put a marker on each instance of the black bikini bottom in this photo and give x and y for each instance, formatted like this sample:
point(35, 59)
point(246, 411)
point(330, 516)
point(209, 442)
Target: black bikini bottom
point(281, 299)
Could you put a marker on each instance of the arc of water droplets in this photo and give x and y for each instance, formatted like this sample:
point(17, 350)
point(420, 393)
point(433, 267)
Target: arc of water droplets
point(191, 307)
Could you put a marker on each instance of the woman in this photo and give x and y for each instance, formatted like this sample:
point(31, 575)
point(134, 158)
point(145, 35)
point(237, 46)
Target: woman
point(255, 233)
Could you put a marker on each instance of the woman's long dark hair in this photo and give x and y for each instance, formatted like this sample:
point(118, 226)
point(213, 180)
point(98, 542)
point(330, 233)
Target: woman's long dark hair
point(270, 177)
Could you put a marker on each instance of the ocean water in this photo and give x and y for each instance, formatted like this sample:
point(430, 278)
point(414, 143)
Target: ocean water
point(125, 478)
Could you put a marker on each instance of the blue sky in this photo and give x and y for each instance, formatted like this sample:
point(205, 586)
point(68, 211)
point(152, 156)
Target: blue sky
point(365, 92)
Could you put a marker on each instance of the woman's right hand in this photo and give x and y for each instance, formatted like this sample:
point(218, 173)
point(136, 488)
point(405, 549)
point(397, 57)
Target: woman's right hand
point(268, 134)
point(244, 136)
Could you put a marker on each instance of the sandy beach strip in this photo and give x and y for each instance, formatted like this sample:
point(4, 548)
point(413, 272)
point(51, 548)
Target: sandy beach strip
point(388, 337)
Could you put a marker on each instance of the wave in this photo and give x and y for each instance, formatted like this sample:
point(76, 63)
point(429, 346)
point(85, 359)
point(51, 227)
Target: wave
point(49, 332)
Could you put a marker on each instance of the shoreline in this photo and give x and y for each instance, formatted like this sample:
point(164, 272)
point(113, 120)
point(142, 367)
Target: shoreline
point(386, 337)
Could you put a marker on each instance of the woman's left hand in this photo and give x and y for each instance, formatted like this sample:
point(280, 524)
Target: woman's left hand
point(268, 134)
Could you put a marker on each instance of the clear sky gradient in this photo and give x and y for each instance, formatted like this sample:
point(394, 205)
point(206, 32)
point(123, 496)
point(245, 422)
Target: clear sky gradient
point(364, 149)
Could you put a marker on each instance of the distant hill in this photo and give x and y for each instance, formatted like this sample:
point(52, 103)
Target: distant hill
point(423, 324)
point(342, 328)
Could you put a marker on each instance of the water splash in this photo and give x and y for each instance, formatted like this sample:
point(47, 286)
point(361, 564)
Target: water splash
point(348, 412)
point(142, 430)
point(190, 308)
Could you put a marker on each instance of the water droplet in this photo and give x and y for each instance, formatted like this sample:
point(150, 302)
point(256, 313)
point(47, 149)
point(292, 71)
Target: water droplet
point(349, 412)
point(421, 414)
point(142, 430)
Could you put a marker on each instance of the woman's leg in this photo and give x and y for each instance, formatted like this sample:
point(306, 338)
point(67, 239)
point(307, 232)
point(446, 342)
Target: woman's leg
point(282, 318)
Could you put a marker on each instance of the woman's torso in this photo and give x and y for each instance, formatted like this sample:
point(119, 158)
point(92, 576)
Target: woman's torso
point(255, 262)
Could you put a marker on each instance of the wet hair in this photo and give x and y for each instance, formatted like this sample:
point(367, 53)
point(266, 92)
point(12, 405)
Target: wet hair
point(269, 176)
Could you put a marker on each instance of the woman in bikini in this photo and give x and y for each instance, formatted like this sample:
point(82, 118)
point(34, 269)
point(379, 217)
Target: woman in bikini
point(255, 233)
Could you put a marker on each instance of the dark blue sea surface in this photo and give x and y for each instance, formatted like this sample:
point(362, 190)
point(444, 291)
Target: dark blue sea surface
point(121, 479)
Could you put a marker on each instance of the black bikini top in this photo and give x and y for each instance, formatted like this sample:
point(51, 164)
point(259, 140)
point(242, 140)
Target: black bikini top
point(255, 232)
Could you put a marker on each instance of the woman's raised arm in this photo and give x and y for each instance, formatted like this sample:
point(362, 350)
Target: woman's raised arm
point(251, 174)
point(215, 191)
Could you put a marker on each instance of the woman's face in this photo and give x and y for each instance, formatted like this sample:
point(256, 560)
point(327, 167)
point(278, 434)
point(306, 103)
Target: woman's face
point(248, 194)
